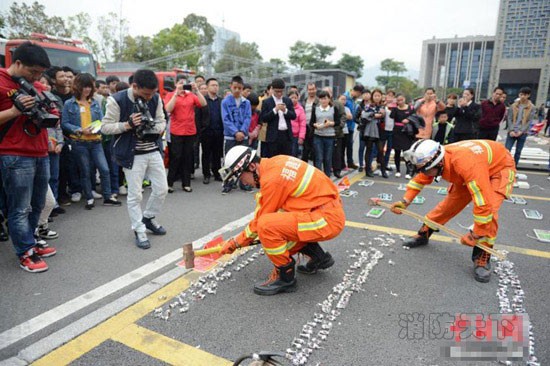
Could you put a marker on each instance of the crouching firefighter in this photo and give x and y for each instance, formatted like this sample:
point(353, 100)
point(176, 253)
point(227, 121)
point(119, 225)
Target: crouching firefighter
point(297, 206)
point(482, 171)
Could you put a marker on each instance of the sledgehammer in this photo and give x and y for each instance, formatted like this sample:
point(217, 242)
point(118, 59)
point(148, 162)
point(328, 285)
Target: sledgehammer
point(189, 254)
point(456, 235)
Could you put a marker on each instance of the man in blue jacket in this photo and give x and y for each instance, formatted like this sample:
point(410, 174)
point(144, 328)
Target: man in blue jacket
point(236, 114)
point(139, 151)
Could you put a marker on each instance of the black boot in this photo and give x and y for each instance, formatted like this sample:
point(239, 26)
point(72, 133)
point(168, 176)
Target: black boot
point(419, 239)
point(319, 259)
point(368, 172)
point(282, 279)
point(482, 265)
point(384, 174)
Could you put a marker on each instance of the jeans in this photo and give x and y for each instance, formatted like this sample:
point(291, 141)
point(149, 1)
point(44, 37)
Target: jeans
point(389, 147)
point(54, 173)
point(323, 153)
point(510, 141)
point(349, 148)
point(25, 181)
point(361, 152)
point(87, 152)
point(113, 167)
point(152, 166)
point(296, 148)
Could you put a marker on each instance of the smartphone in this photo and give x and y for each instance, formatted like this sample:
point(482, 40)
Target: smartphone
point(187, 87)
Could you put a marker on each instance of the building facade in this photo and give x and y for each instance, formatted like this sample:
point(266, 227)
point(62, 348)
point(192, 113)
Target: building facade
point(457, 63)
point(522, 48)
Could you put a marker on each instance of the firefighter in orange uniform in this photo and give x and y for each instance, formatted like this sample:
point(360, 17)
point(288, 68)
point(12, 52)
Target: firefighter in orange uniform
point(478, 170)
point(297, 206)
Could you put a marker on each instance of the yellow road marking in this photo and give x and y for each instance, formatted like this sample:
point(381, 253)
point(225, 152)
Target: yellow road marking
point(359, 177)
point(166, 349)
point(446, 239)
point(106, 330)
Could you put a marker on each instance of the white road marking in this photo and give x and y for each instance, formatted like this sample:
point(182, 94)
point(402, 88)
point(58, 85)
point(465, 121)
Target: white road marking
point(52, 316)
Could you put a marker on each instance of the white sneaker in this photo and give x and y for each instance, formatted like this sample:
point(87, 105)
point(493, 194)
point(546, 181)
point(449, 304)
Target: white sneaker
point(122, 191)
point(76, 197)
point(398, 175)
point(408, 176)
point(96, 195)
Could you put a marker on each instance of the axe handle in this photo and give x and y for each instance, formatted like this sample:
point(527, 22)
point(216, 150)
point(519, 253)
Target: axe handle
point(451, 232)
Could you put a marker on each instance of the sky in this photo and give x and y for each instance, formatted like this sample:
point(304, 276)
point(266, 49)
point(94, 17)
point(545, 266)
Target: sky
point(374, 30)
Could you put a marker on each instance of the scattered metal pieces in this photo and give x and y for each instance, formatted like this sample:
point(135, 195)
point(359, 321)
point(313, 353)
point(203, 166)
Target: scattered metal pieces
point(204, 285)
point(355, 276)
point(348, 193)
point(509, 285)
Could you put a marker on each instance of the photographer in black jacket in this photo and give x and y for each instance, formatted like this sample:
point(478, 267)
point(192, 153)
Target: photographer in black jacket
point(138, 150)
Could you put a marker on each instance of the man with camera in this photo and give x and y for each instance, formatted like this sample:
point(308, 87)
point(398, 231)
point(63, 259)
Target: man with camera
point(136, 117)
point(24, 163)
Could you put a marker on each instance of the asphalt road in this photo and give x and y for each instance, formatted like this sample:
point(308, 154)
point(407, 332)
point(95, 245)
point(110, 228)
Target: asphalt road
point(96, 247)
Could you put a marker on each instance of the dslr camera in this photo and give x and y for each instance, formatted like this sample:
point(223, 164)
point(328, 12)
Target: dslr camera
point(44, 103)
point(145, 130)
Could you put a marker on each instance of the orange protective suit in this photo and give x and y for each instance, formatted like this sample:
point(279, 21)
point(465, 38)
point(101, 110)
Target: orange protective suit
point(478, 170)
point(297, 204)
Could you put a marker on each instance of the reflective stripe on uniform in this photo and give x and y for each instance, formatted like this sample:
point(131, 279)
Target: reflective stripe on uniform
point(249, 233)
point(510, 184)
point(489, 151)
point(304, 183)
point(280, 249)
point(314, 225)
point(483, 219)
point(413, 185)
point(478, 196)
point(487, 240)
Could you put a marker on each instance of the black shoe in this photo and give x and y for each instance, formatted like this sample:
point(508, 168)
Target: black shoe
point(217, 178)
point(319, 259)
point(142, 241)
point(53, 214)
point(226, 189)
point(59, 210)
point(282, 279)
point(369, 174)
point(420, 239)
point(206, 180)
point(384, 174)
point(482, 267)
point(360, 169)
point(170, 189)
point(89, 204)
point(338, 174)
point(246, 188)
point(154, 226)
point(112, 202)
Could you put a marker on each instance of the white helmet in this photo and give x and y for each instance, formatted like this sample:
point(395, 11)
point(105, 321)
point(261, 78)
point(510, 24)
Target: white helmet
point(236, 162)
point(425, 154)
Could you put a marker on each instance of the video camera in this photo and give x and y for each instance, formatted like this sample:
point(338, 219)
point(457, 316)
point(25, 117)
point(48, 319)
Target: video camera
point(144, 130)
point(44, 103)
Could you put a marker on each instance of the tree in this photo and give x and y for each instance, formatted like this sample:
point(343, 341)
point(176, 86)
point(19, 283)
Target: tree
point(176, 39)
point(351, 63)
point(308, 56)
point(137, 49)
point(280, 65)
point(22, 20)
point(243, 50)
point(79, 26)
point(200, 25)
point(391, 66)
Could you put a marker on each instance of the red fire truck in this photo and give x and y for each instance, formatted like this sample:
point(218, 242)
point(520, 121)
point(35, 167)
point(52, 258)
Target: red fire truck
point(61, 51)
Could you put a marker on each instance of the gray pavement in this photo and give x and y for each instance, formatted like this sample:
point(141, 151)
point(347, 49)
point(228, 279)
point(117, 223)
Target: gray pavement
point(96, 247)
